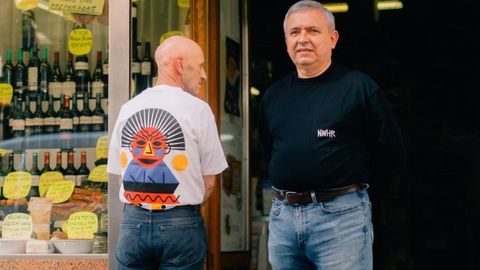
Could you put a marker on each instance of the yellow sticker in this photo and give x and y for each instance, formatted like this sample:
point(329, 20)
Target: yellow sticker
point(60, 191)
point(65, 226)
point(183, 3)
point(26, 4)
point(80, 41)
point(98, 174)
point(3, 152)
point(82, 225)
point(102, 147)
point(46, 179)
point(92, 7)
point(17, 226)
point(6, 93)
point(170, 34)
point(17, 185)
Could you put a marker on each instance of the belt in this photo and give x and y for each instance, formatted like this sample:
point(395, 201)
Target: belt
point(302, 198)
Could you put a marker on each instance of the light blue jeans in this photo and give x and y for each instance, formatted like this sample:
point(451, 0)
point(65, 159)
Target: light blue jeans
point(167, 240)
point(332, 235)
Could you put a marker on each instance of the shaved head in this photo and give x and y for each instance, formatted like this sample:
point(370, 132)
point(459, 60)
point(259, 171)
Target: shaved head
point(180, 63)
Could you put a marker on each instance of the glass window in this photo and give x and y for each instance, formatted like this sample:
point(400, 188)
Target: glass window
point(53, 113)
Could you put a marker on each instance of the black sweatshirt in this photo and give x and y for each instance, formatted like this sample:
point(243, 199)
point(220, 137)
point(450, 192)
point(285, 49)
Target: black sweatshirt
point(328, 131)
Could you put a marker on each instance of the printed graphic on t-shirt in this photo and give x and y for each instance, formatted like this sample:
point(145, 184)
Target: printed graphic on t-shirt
point(149, 135)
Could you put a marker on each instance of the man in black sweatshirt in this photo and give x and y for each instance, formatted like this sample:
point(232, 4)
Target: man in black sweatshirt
point(323, 128)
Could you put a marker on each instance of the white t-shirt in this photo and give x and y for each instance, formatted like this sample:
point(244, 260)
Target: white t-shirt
point(163, 143)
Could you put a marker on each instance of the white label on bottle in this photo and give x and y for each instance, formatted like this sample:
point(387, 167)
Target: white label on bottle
point(66, 123)
point(68, 88)
point(105, 69)
point(29, 122)
point(85, 120)
point(2, 179)
point(55, 89)
point(76, 120)
point(35, 180)
point(97, 87)
point(146, 68)
point(38, 121)
point(97, 119)
point(33, 78)
point(72, 178)
point(49, 121)
point(82, 178)
point(18, 124)
point(134, 12)
point(136, 67)
point(81, 65)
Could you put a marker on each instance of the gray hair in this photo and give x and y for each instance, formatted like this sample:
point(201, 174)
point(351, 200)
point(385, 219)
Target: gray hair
point(309, 4)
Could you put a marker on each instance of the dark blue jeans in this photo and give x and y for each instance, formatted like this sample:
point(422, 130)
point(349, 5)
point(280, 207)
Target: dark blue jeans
point(167, 240)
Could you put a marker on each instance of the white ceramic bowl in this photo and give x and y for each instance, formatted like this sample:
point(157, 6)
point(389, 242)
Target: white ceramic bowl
point(8, 246)
point(73, 246)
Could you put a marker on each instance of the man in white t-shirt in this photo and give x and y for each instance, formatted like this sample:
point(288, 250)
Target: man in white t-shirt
point(166, 150)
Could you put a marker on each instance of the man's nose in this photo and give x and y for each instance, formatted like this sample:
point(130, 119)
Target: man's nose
point(303, 37)
point(203, 75)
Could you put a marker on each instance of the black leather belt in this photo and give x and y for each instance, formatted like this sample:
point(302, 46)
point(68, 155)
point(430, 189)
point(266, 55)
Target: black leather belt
point(303, 198)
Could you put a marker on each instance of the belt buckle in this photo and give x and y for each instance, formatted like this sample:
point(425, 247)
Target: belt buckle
point(291, 194)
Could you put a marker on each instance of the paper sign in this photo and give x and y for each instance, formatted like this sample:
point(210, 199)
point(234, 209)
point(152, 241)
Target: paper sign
point(170, 34)
point(82, 225)
point(60, 191)
point(80, 41)
point(17, 226)
point(17, 185)
point(92, 7)
point(26, 4)
point(98, 174)
point(102, 147)
point(183, 3)
point(6, 93)
point(46, 179)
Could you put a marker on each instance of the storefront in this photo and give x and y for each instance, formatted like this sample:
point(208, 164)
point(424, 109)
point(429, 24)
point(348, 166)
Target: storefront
point(67, 67)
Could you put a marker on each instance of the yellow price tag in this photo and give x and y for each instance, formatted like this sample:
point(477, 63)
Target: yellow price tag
point(98, 174)
point(26, 4)
point(60, 191)
point(6, 93)
point(170, 34)
point(82, 225)
point(80, 41)
point(17, 185)
point(46, 179)
point(92, 7)
point(183, 3)
point(17, 226)
point(102, 147)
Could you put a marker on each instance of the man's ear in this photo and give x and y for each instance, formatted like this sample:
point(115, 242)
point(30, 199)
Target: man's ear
point(178, 65)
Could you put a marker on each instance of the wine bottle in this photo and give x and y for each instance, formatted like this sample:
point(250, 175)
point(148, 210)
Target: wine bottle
point(18, 119)
point(46, 163)
point(33, 78)
point(85, 116)
point(38, 117)
point(105, 75)
point(97, 81)
point(136, 73)
point(66, 123)
point(8, 69)
point(50, 118)
point(44, 75)
point(58, 166)
point(81, 76)
point(29, 118)
point(28, 30)
point(35, 173)
point(148, 68)
point(98, 115)
point(76, 114)
point(82, 171)
point(2, 177)
point(22, 167)
point(19, 76)
point(10, 164)
point(68, 86)
point(70, 173)
point(55, 85)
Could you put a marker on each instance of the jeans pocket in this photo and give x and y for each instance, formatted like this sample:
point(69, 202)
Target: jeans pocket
point(343, 203)
point(128, 241)
point(276, 208)
point(184, 241)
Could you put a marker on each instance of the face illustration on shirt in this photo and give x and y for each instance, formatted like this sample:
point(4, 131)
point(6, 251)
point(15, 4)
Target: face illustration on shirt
point(149, 147)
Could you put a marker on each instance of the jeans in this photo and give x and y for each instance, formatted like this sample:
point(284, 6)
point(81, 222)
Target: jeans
point(167, 240)
point(331, 235)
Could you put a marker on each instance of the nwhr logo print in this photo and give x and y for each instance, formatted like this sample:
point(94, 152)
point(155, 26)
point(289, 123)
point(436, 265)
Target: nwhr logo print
point(147, 138)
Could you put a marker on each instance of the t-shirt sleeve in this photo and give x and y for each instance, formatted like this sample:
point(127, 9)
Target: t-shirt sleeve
point(212, 157)
point(113, 165)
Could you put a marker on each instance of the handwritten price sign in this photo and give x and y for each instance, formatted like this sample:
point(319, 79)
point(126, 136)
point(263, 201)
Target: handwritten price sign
point(82, 225)
point(17, 226)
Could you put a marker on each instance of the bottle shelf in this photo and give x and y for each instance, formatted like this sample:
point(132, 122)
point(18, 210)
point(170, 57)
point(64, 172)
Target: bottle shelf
point(56, 140)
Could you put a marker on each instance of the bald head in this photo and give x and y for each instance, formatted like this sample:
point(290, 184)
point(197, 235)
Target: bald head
point(180, 63)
